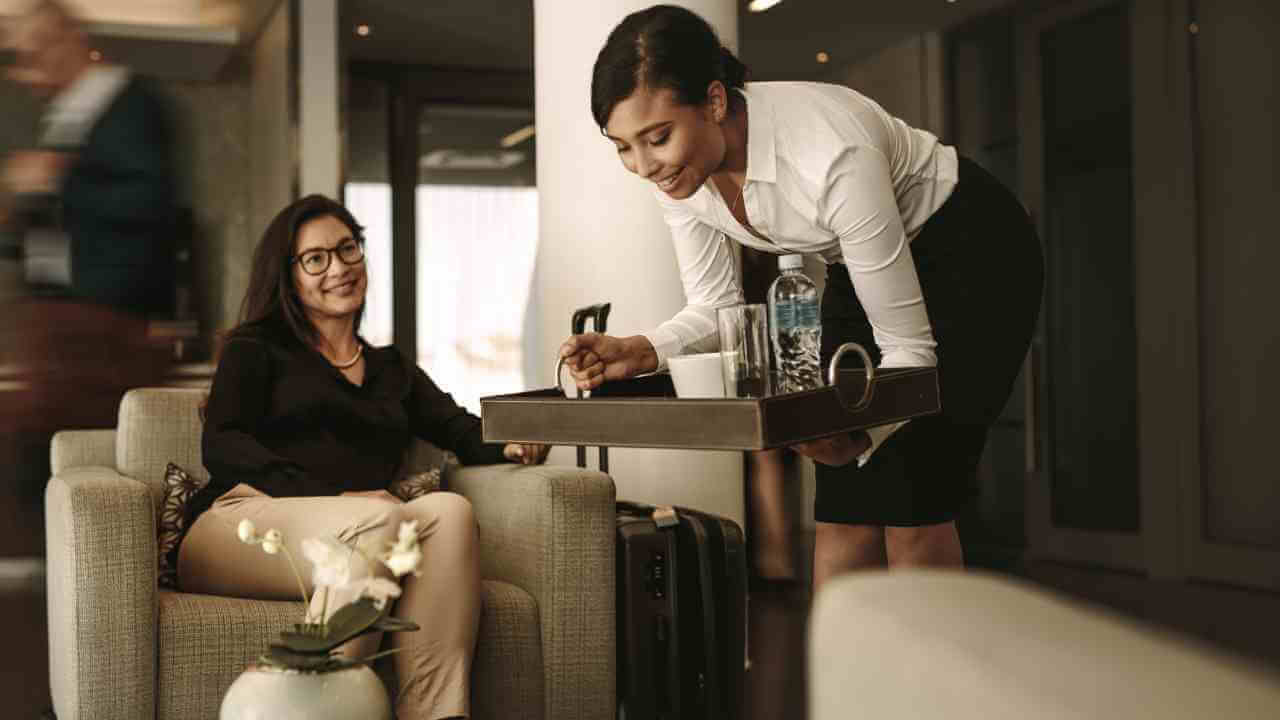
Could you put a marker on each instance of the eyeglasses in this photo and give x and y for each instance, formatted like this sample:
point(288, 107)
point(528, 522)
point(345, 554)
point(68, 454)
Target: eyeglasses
point(316, 261)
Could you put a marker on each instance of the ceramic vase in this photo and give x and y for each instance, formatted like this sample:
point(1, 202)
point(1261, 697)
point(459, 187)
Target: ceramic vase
point(264, 692)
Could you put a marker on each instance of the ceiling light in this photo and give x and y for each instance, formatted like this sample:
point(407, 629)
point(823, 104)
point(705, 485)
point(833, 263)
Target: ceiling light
point(823, 57)
point(362, 30)
point(761, 5)
point(94, 55)
point(517, 137)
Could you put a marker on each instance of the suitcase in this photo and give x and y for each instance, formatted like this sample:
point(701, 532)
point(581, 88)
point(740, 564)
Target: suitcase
point(681, 603)
point(681, 614)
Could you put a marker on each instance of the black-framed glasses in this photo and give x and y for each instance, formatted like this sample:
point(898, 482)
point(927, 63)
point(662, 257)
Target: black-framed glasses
point(316, 261)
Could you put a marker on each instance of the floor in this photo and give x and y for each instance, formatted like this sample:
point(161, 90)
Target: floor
point(777, 631)
point(24, 674)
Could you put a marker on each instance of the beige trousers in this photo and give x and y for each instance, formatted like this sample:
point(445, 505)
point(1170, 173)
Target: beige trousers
point(434, 666)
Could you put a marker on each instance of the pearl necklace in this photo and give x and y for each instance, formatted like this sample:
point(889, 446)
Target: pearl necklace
point(354, 359)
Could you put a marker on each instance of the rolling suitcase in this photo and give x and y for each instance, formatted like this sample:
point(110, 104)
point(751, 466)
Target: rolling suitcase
point(681, 603)
point(682, 614)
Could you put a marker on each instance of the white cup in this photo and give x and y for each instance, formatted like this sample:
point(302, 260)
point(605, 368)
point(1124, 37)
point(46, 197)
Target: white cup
point(697, 376)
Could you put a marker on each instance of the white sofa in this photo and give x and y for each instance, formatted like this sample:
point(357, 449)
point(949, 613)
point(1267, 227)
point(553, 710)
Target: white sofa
point(977, 646)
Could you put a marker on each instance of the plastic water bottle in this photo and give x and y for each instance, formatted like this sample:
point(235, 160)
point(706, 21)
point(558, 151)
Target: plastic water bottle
point(795, 326)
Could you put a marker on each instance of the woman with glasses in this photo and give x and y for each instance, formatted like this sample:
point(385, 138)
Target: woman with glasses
point(305, 427)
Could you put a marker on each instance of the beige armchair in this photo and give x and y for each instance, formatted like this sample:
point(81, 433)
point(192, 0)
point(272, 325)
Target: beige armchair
point(119, 647)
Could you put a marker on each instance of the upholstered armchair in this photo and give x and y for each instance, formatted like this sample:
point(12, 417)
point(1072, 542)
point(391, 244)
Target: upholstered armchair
point(120, 647)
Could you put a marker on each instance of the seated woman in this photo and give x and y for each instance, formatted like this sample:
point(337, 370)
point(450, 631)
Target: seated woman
point(305, 427)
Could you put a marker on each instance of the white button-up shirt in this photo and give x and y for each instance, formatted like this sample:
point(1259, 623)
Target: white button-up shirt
point(829, 173)
point(72, 114)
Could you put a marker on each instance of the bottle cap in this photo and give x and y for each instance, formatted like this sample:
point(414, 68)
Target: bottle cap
point(788, 262)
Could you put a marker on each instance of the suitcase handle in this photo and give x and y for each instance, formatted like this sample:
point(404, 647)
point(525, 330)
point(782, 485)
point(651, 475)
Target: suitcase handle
point(870, 369)
point(599, 314)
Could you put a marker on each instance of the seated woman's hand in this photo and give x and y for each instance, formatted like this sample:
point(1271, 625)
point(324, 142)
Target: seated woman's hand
point(594, 358)
point(836, 450)
point(526, 453)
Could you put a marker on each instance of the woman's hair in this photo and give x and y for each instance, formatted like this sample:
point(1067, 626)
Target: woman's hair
point(662, 47)
point(271, 294)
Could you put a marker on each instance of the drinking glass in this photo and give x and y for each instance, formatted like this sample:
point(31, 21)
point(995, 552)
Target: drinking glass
point(744, 348)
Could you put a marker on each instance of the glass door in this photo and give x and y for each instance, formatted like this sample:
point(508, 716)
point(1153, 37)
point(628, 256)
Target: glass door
point(441, 171)
point(476, 231)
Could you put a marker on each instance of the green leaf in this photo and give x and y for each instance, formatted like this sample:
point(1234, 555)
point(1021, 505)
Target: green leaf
point(392, 624)
point(349, 621)
point(284, 657)
point(307, 643)
point(352, 620)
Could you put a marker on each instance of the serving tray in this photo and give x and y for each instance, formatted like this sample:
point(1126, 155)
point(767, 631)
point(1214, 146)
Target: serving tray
point(645, 412)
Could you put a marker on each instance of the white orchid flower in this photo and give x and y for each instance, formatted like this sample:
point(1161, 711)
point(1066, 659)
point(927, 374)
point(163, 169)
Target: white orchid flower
point(380, 590)
point(407, 537)
point(403, 563)
point(272, 541)
point(332, 561)
point(404, 557)
point(247, 532)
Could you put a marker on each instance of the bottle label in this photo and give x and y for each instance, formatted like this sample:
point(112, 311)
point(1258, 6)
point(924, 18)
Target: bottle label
point(806, 314)
point(783, 314)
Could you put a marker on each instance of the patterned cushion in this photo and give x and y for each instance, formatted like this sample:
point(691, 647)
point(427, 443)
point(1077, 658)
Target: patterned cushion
point(179, 487)
point(416, 484)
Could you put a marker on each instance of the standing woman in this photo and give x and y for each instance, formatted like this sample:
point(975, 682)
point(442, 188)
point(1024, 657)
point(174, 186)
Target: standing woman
point(931, 262)
point(306, 426)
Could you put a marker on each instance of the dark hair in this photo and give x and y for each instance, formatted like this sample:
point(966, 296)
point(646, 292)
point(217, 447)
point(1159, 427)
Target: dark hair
point(271, 295)
point(662, 47)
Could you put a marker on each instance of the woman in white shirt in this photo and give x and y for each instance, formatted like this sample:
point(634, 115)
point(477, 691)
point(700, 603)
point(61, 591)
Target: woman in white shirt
point(930, 262)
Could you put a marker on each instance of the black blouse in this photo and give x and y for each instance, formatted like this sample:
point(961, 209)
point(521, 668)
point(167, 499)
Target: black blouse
point(284, 420)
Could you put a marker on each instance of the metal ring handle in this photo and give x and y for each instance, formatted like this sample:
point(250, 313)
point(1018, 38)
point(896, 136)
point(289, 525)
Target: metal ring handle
point(559, 369)
point(865, 400)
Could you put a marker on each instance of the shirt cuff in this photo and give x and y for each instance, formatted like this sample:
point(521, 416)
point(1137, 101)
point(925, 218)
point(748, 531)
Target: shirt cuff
point(878, 435)
point(666, 344)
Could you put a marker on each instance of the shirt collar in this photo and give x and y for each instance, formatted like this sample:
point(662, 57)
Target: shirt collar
point(72, 113)
point(762, 161)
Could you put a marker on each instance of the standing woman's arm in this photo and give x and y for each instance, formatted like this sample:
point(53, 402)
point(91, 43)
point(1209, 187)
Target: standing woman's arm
point(860, 208)
point(710, 281)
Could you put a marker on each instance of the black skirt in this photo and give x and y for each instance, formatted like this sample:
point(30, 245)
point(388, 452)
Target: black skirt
point(981, 272)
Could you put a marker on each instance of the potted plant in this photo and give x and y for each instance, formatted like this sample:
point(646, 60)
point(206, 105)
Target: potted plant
point(302, 675)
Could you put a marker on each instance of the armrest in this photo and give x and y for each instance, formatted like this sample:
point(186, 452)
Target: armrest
point(550, 530)
point(100, 540)
point(78, 448)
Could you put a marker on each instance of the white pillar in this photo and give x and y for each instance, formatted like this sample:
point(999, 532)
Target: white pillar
point(602, 238)
point(318, 71)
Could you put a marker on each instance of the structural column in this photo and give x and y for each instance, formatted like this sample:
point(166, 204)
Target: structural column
point(602, 239)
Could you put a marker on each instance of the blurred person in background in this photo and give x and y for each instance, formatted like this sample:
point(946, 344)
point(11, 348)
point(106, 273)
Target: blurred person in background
point(89, 215)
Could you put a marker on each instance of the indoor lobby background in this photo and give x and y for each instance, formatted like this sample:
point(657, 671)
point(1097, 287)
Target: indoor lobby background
point(1132, 467)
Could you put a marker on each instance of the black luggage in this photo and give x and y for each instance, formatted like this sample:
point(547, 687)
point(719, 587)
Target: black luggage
point(681, 604)
point(682, 614)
